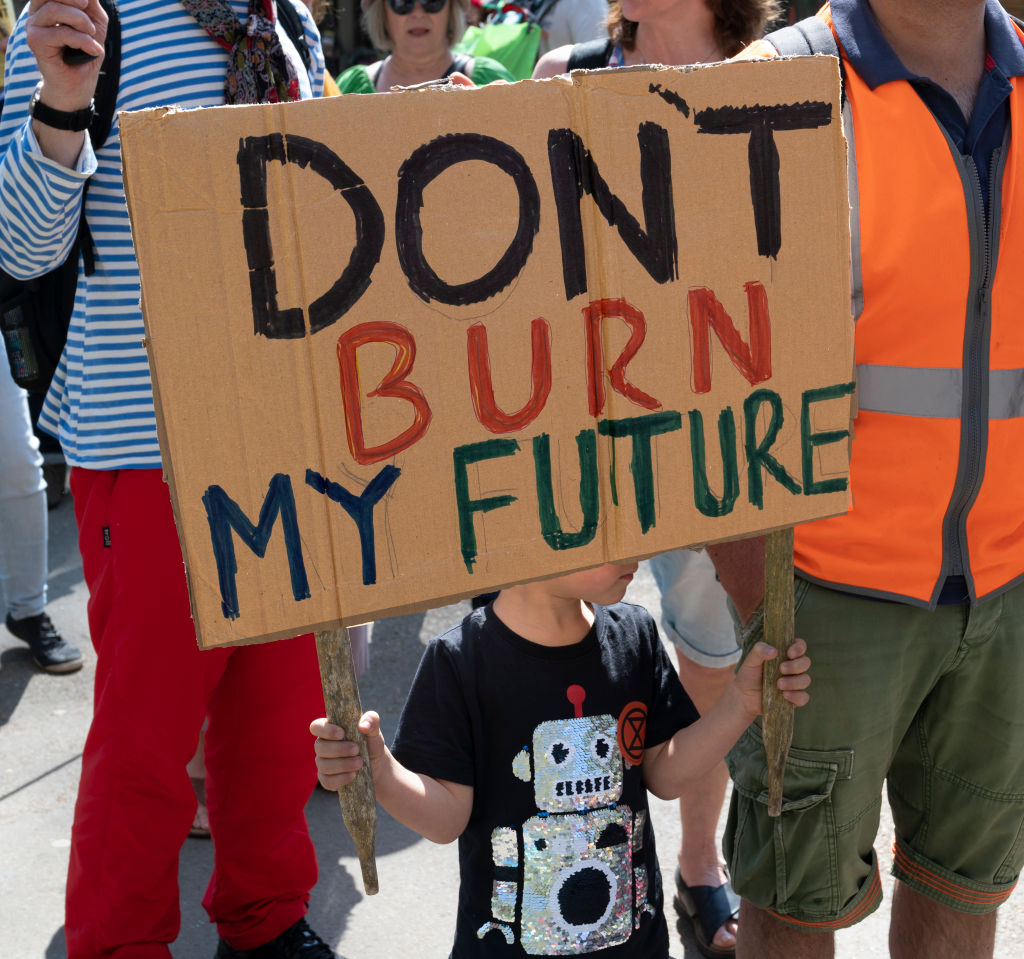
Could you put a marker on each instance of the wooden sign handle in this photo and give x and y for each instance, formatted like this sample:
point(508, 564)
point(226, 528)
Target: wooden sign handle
point(777, 723)
point(341, 697)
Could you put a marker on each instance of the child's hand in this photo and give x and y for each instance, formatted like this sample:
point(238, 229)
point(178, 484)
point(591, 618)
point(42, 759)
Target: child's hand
point(793, 680)
point(337, 758)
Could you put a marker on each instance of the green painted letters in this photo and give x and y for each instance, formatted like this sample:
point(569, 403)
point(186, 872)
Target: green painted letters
point(758, 457)
point(463, 456)
point(550, 525)
point(641, 429)
point(703, 498)
point(809, 440)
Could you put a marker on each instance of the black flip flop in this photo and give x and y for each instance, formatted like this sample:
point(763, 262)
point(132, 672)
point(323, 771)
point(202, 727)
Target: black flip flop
point(708, 908)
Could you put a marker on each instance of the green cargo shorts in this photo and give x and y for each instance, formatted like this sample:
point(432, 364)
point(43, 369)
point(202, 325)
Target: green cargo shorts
point(932, 702)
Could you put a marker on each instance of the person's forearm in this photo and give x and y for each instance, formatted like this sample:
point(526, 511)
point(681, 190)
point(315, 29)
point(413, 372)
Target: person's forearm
point(61, 146)
point(694, 751)
point(740, 569)
point(424, 804)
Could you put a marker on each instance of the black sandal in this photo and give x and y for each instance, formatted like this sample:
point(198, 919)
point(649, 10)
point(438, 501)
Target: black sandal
point(708, 908)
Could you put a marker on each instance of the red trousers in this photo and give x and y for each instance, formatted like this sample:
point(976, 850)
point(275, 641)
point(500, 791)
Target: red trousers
point(153, 689)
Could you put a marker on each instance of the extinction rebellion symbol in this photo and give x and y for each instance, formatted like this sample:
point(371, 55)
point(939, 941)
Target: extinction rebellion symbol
point(632, 732)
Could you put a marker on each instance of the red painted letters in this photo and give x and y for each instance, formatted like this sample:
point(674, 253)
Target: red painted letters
point(706, 312)
point(594, 315)
point(393, 385)
point(482, 388)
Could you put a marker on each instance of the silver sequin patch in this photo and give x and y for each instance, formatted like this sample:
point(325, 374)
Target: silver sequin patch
point(504, 846)
point(503, 901)
point(577, 764)
point(638, 831)
point(577, 882)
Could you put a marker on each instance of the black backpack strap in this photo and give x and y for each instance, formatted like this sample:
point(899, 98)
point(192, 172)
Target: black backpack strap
point(804, 39)
point(590, 55)
point(105, 99)
point(109, 79)
point(292, 23)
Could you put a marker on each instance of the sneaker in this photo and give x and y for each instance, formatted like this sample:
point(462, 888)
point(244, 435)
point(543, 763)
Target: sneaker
point(296, 942)
point(50, 651)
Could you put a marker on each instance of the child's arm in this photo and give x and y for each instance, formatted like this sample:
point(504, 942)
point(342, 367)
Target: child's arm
point(438, 810)
point(696, 750)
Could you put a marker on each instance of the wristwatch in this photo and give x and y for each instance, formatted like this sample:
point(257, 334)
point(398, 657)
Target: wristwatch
point(75, 120)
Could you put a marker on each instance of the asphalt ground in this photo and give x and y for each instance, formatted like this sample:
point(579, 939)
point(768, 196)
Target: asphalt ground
point(43, 723)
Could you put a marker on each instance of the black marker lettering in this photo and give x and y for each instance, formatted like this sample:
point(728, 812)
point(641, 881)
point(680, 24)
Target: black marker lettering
point(763, 156)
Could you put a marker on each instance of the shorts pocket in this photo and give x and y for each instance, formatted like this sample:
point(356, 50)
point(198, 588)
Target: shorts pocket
point(788, 863)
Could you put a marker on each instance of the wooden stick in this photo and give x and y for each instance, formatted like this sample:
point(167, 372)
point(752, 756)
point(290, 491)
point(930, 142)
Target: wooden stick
point(777, 724)
point(341, 697)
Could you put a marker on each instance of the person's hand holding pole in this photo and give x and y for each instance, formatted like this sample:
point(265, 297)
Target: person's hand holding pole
point(341, 697)
point(777, 723)
point(751, 571)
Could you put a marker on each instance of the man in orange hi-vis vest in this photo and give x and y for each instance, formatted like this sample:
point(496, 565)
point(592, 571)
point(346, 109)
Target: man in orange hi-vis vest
point(912, 603)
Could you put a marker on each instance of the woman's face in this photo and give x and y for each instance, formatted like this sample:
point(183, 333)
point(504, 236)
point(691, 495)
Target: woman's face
point(417, 33)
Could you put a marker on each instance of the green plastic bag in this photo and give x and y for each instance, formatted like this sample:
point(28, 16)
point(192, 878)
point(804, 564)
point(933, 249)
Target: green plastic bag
point(513, 45)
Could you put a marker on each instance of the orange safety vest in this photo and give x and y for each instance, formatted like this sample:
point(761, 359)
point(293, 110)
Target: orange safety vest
point(938, 448)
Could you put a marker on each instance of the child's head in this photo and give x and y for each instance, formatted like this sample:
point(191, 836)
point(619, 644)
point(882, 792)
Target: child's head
point(602, 585)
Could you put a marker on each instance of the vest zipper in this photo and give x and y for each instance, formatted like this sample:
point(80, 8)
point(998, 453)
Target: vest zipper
point(984, 246)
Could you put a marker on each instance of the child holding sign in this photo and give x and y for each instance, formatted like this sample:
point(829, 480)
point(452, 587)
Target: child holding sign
point(532, 733)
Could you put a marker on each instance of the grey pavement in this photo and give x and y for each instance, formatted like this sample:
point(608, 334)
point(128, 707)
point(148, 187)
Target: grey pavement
point(43, 723)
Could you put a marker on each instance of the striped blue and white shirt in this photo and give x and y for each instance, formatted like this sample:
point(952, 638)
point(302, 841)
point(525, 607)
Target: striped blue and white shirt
point(100, 403)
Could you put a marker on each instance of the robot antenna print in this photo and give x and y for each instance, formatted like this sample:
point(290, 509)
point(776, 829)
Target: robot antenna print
point(632, 732)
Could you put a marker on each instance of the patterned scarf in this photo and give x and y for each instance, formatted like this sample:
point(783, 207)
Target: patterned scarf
point(258, 69)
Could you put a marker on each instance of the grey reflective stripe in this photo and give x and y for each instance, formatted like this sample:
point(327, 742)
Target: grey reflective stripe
point(909, 390)
point(1005, 394)
point(856, 278)
point(935, 393)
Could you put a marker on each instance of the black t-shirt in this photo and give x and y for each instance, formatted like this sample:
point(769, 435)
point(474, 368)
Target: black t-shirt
point(558, 857)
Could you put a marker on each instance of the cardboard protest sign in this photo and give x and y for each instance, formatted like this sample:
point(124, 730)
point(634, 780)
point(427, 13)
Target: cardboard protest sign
point(411, 347)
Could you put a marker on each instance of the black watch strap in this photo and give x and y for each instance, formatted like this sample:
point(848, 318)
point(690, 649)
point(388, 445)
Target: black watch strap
point(75, 120)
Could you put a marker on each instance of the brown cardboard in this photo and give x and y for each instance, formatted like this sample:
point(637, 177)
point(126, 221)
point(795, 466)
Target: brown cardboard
point(243, 412)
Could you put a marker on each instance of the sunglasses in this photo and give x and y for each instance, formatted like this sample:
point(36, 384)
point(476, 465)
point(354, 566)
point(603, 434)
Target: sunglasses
point(404, 7)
